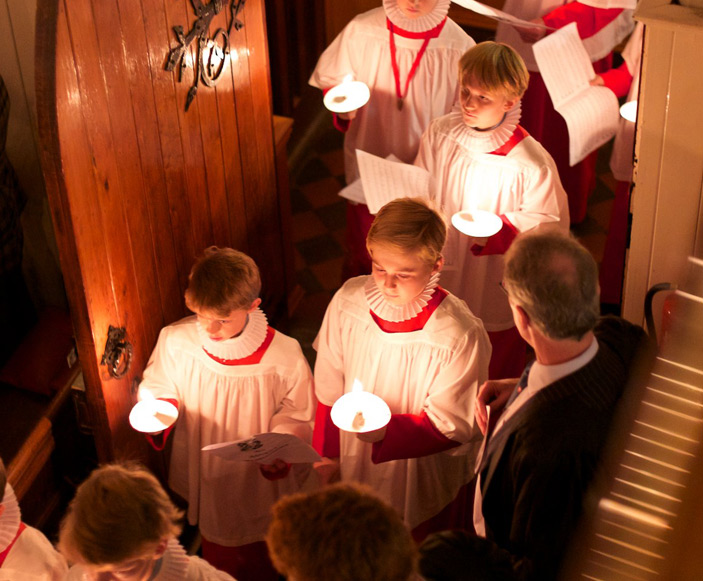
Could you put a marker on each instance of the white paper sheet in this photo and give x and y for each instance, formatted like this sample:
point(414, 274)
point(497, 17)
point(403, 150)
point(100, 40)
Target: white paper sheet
point(591, 113)
point(354, 192)
point(499, 15)
point(385, 180)
point(265, 448)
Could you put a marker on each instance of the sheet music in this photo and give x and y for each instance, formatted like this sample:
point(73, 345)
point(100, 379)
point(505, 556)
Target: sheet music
point(265, 448)
point(354, 192)
point(499, 15)
point(591, 113)
point(385, 180)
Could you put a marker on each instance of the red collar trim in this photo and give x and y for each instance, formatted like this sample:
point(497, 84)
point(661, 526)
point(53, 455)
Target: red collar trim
point(252, 359)
point(518, 135)
point(418, 321)
point(6, 552)
point(431, 33)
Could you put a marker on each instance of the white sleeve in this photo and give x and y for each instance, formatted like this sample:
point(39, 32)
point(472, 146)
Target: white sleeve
point(329, 365)
point(296, 410)
point(543, 201)
point(336, 61)
point(450, 401)
point(159, 379)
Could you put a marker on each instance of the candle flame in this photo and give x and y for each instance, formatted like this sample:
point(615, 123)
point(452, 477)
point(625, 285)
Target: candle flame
point(356, 386)
point(348, 78)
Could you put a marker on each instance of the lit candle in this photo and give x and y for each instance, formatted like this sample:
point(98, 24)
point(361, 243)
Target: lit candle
point(348, 96)
point(477, 223)
point(360, 411)
point(152, 415)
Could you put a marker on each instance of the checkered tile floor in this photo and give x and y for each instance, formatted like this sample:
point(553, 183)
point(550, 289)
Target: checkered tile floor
point(319, 226)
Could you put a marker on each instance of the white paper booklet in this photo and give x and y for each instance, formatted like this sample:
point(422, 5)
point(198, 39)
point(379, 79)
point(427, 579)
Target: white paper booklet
point(265, 448)
point(498, 15)
point(385, 180)
point(354, 192)
point(591, 113)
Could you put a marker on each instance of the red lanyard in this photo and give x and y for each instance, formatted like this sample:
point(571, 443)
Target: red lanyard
point(6, 552)
point(427, 35)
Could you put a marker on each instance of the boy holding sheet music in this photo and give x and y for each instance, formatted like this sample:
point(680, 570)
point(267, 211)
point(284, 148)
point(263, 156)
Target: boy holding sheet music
point(420, 349)
point(406, 52)
point(481, 159)
point(602, 24)
point(231, 376)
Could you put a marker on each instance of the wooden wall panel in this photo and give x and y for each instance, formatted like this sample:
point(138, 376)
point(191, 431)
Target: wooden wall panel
point(139, 186)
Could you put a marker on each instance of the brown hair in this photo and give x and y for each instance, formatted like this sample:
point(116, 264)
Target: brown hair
point(118, 513)
point(342, 532)
point(223, 280)
point(410, 224)
point(496, 67)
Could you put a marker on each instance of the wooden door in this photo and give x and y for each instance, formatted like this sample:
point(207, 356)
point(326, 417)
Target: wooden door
point(137, 185)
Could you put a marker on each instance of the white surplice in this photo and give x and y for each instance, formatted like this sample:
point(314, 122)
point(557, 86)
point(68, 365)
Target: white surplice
point(230, 501)
point(524, 186)
point(32, 557)
point(436, 370)
point(363, 50)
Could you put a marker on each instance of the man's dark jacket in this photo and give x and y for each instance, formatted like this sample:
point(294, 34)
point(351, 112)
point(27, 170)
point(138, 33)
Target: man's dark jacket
point(539, 464)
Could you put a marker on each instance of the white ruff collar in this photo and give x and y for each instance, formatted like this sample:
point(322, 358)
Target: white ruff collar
point(10, 518)
point(483, 141)
point(422, 24)
point(241, 346)
point(397, 313)
point(175, 563)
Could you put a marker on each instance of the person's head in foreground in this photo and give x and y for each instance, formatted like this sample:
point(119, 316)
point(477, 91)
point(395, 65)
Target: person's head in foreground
point(341, 532)
point(462, 556)
point(552, 284)
point(492, 79)
point(223, 288)
point(405, 243)
point(118, 524)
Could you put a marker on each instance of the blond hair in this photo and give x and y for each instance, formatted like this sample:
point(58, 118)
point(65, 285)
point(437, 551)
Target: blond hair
point(223, 280)
point(342, 532)
point(496, 67)
point(119, 512)
point(410, 224)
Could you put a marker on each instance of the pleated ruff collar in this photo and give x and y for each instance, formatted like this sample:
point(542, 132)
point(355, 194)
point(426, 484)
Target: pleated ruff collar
point(487, 141)
point(398, 313)
point(239, 347)
point(175, 563)
point(10, 518)
point(422, 24)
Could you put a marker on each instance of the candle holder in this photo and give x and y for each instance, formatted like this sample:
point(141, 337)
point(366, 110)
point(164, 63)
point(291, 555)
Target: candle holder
point(477, 223)
point(347, 96)
point(629, 111)
point(152, 416)
point(359, 412)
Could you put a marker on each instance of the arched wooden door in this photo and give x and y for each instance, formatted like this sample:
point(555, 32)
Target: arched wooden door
point(137, 185)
